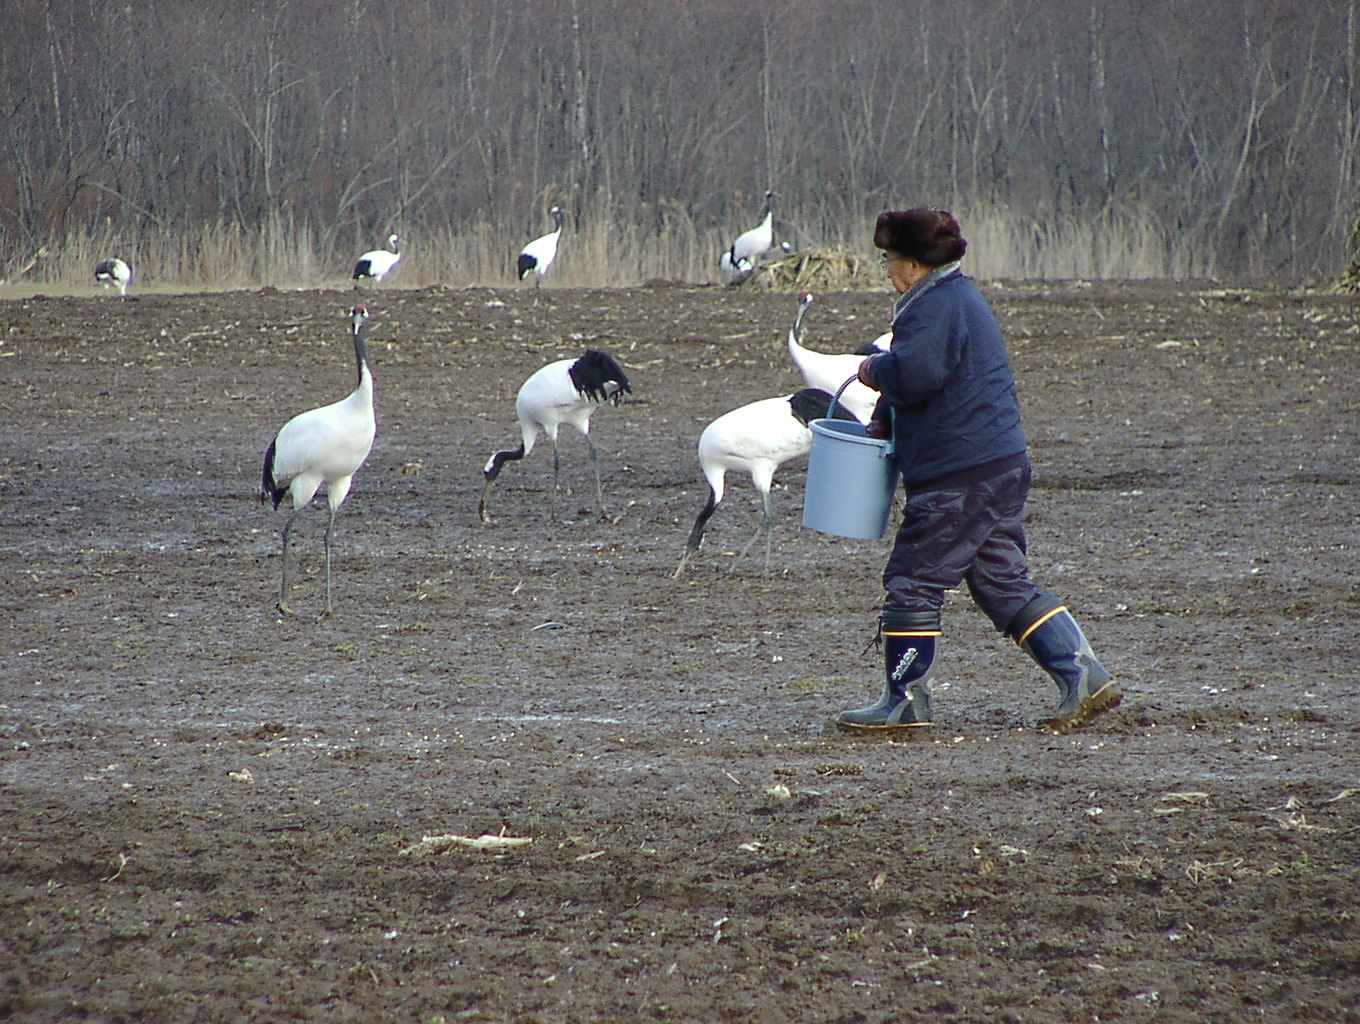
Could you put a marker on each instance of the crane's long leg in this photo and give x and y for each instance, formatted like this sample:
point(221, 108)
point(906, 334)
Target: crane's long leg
point(330, 536)
point(599, 487)
point(766, 527)
point(769, 529)
point(283, 583)
point(557, 475)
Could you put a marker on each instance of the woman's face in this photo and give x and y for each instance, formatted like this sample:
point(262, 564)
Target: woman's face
point(903, 271)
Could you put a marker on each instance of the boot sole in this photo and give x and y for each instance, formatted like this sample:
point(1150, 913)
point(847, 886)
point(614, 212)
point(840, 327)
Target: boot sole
point(871, 729)
point(1102, 700)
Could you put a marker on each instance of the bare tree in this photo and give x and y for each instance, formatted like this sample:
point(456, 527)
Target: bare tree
point(1241, 131)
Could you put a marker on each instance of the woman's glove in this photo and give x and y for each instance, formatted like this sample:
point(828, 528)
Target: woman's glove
point(880, 430)
point(866, 371)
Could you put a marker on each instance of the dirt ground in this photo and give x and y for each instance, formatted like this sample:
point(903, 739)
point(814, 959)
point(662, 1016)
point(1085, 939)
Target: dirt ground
point(212, 813)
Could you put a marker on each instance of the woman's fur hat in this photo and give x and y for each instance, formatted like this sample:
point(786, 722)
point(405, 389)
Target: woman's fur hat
point(930, 236)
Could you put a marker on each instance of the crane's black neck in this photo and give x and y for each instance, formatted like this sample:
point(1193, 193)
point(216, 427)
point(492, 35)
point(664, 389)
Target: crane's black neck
point(361, 349)
point(798, 322)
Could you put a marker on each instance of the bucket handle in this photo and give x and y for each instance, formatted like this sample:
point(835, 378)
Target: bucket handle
point(890, 447)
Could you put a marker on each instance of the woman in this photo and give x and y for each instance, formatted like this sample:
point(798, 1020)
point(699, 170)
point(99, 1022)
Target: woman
point(948, 400)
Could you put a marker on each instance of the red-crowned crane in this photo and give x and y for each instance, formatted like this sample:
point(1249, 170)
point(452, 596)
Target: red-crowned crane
point(113, 273)
point(376, 264)
point(829, 371)
point(757, 438)
point(751, 245)
point(536, 257)
point(566, 391)
point(322, 446)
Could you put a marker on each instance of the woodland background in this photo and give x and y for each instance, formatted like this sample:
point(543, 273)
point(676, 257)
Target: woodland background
point(271, 141)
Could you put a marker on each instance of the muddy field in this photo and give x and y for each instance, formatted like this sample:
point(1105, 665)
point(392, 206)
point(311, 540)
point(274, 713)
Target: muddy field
point(212, 813)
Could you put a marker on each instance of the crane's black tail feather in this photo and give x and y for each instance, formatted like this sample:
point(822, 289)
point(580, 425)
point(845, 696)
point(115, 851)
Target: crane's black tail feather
point(593, 372)
point(268, 488)
point(811, 404)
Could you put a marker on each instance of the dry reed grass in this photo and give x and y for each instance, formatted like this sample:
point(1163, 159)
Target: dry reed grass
point(609, 251)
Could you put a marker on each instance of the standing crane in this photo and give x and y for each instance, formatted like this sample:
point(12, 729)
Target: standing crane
point(566, 391)
point(322, 446)
point(536, 257)
point(758, 438)
point(829, 371)
point(751, 245)
point(113, 273)
point(375, 264)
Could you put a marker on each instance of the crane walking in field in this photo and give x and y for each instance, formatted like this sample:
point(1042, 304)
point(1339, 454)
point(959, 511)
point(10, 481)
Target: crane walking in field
point(376, 264)
point(322, 446)
point(536, 257)
point(114, 273)
point(757, 438)
point(829, 371)
point(567, 391)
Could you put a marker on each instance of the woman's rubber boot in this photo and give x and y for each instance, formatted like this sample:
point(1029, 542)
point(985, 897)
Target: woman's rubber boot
point(909, 640)
point(1047, 633)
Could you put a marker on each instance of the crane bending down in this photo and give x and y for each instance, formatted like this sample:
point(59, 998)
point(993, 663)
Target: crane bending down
point(322, 446)
point(829, 371)
point(375, 264)
point(731, 272)
point(758, 438)
point(113, 273)
point(567, 391)
point(536, 257)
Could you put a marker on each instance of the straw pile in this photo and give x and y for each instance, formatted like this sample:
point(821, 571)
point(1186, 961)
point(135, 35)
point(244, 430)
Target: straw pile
point(1350, 280)
point(829, 268)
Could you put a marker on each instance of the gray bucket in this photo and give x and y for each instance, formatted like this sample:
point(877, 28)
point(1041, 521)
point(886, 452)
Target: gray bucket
point(851, 479)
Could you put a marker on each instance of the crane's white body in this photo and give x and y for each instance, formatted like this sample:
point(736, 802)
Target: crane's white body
point(753, 244)
point(536, 257)
point(547, 399)
point(828, 371)
point(376, 264)
point(326, 446)
point(566, 391)
point(756, 438)
point(114, 273)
